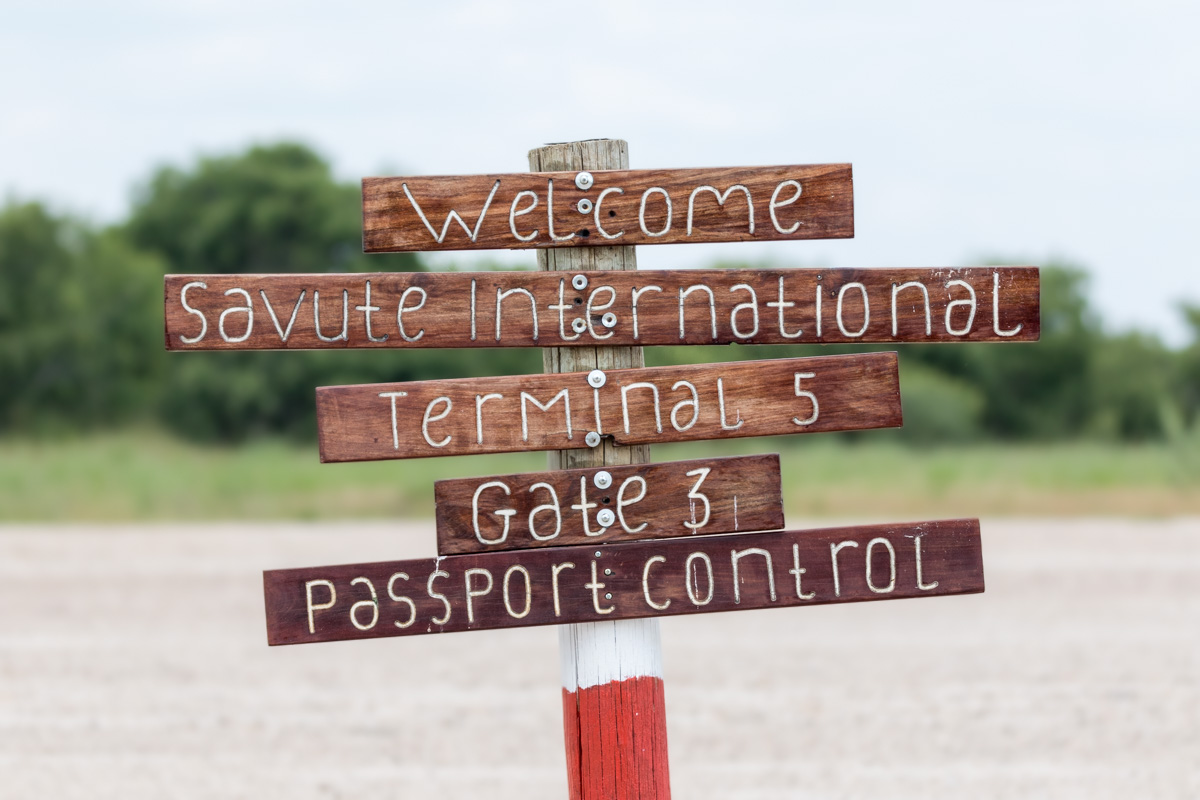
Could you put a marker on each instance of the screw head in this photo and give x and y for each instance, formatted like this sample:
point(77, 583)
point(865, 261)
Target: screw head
point(608, 595)
point(602, 479)
point(596, 378)
point(584, 180)
point(579, 282)
point(606, 517)
point(579, 324)
point(592, 439)
point(609, 320)
point(597, 554)
point(608, 572)
point(584, 206)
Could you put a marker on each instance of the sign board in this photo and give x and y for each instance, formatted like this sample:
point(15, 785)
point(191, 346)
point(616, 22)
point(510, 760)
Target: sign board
point(610, 504)
point(607, 207)
point(633, 406)
point(564, 309)
point(622, 581)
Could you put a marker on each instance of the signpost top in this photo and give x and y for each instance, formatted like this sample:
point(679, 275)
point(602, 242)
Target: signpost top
point(607, 207)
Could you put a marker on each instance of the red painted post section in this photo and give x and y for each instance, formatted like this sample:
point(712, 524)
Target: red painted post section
point(614, 715)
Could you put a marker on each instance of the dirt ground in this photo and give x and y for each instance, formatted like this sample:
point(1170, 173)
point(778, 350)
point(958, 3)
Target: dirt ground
point(133, 664)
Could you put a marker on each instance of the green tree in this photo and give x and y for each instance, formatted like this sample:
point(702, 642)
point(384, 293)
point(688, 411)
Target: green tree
point(80, 323)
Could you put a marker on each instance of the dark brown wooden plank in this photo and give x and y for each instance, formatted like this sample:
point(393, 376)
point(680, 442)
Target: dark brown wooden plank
point(621, 207)
point(634, 406)
point(646, 501)
point(622, 581)
point(651, 307)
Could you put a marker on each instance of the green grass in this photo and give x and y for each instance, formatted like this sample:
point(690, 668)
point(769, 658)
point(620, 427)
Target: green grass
point(146, 476)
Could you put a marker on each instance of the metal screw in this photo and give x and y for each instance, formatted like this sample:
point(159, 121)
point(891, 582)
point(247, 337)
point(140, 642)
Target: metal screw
point(584, 180)
point(597, 378)
point(579, 325)
point(608, 572)
point(603, 479)
point(579, 282)
point(606, 517)
point(597, 554)
point(608, 595)
point(609, 320)
point(584, 206)
point(592, 439)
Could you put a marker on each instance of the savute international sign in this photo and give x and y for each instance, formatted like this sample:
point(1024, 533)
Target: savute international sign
point(652, 307)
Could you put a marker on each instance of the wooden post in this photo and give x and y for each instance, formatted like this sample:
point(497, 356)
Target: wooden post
point(614, 715)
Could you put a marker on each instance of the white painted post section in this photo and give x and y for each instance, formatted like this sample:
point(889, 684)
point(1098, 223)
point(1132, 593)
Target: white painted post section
point(614, 715)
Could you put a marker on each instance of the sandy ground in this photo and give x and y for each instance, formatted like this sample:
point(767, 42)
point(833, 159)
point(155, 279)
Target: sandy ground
point(133, 665)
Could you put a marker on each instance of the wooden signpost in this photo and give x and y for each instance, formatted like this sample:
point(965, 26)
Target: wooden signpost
point(630, 406)
point(520, 588)
point(598, 506)
point(607, 207)
point(604, 544)
point(541, 309)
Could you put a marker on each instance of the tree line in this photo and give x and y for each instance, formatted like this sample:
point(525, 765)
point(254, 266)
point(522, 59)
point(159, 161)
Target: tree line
point(81, 334)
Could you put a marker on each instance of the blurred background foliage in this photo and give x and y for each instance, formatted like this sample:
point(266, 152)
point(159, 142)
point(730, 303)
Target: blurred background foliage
point(81, 342)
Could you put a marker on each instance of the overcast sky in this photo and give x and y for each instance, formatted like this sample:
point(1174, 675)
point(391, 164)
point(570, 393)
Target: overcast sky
point(1028, 131)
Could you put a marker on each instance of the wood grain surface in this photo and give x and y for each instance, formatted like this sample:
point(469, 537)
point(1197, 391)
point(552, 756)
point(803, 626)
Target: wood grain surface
point(621, 207)
point(634, 406)
point(650, 307)
point(623, 581)
point(649, 501)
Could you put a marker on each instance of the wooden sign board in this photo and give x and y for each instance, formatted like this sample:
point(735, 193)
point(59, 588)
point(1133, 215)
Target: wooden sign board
point(651, 307)
point(622, 581)
point(615, 207)
point(633, 406)
point(609, 504)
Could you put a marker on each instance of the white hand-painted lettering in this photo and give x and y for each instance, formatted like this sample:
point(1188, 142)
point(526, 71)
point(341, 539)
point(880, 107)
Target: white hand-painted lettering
point(372, 604)
point(712, 306)
point(550, 214)
point(562, 307)
point(695, 494)
point(721, 198)
point(636, 293)
point(596, 213)
point(721, 407)
point(341, 337)
point(866, 310)
point(473, 593)
point(308, 594)
point(642, 211)
point(439, 573)
point(751, 305)
point(595, 585)
point(500, 297)
point(203, 319)
point(247, 309)
point(480, 399)
point(283, 333)
point(694, 402)
point(691, 574)
point(583, 507)
point(834, 549)
point(399, 598)
point(625, 403)
point(812, 398)
point(367, 309)
point(622, 503)
point(781, 305)
point(921, 584)
point(879, 540)
point(513, 213)
point(925, 293)
point(453, 216)
point(564, 395)
point(402, 308)
point(798, 571)
point(551, 506)
point(996, 310)
point(395, 426)
point(738, 555)
point(429, 417)
point(777, 203)
point(969, 303)
point(528, 592)
point(593, 310)
point(650, 562)
point(504, 513)
point(554, 570)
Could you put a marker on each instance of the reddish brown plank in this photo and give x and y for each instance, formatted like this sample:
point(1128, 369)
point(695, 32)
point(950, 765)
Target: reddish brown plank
point(620, 207)
point(650, 307)
point(634, 406)
point(622, 581)
point(609, 504)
